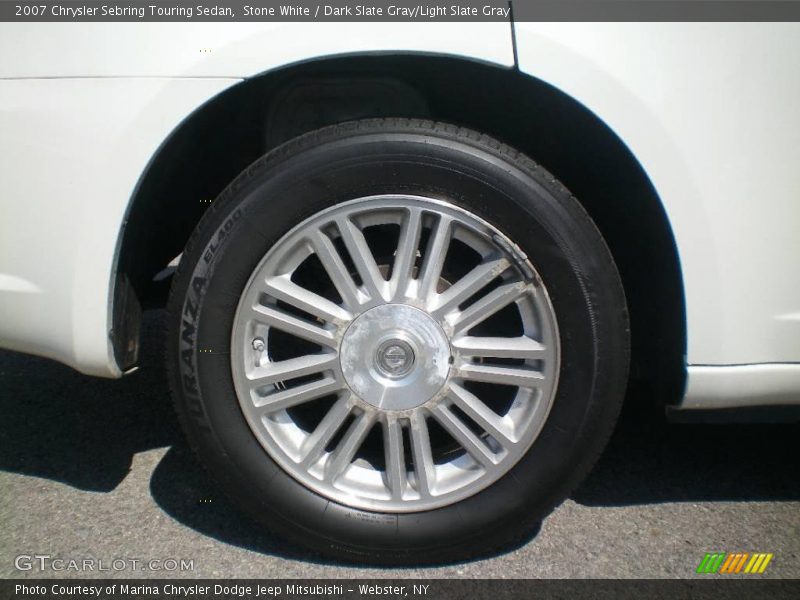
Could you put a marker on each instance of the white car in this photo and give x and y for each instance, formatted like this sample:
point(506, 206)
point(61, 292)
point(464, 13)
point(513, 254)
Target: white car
point(417, 263)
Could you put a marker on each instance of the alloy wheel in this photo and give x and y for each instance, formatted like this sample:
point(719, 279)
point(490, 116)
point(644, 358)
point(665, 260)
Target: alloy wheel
point(395, 353)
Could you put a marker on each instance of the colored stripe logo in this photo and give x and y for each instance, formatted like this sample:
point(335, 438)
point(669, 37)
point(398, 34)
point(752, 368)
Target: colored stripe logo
point(734, 562)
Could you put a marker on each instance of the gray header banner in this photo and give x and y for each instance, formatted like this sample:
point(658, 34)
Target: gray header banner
point(32, 11)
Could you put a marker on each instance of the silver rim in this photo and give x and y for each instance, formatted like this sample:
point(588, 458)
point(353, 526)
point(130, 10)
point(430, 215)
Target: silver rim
point(395, 353)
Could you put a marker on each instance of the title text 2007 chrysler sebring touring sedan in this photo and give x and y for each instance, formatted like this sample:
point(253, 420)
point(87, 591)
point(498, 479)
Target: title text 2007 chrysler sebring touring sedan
point(413, 266)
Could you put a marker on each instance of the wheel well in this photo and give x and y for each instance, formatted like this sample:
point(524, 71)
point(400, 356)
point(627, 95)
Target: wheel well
point(225, 135)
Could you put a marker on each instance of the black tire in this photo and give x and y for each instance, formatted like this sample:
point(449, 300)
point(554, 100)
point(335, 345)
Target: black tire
point(357, 159)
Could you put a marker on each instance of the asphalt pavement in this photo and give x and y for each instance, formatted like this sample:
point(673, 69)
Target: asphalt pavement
point(97, 469)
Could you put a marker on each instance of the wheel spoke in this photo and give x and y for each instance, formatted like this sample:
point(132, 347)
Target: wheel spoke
point(516, 376)
point(360, 253)
point(484, 416)
point(424, 467)
point(406, 253)
point(312, 447)
point(434, 258)
point(282, 288)
point(500, 347)
point(297, 395)
point(465, 436)
point(294, 325)
point(336, 269)
point(395, 457)
point(468, 285)
point(487, 306)
point(342, 456)
point(292, 368)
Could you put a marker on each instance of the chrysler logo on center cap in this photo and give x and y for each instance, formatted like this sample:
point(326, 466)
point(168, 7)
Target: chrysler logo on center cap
point(394, 358)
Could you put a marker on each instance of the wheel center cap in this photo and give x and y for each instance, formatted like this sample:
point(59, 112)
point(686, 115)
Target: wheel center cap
point(395, 357)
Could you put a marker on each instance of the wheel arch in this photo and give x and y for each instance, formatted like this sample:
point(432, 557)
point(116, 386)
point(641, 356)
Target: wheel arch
point(222, 137)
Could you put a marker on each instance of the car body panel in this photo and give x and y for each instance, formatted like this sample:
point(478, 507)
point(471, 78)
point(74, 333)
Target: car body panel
point(710, 112)
point(80, 120)
point(65, 191)
point(708, 109)
point(228, 49)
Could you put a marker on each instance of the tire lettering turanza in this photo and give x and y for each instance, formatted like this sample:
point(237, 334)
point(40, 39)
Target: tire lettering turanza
point(190, 315)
